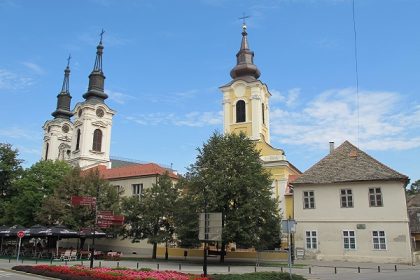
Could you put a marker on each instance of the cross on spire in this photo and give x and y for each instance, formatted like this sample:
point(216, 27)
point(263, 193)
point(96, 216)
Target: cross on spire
point(243, 21)
point(68, 61)
point(101, 34)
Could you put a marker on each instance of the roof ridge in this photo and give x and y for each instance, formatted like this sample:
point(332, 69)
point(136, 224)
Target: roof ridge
point(374, 159)
point(348, 163)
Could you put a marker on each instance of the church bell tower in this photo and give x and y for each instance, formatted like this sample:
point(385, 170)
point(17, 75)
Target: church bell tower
point(245, 98)
point(58, 131)
point(93, 121)
point(246, 109)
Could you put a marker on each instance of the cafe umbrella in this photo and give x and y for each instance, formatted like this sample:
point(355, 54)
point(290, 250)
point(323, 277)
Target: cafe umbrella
point(14, 230)
point(60, 231)
point(3, 230)
point(36, 231)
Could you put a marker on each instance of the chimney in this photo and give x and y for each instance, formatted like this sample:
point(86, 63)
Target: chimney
point(331, 147)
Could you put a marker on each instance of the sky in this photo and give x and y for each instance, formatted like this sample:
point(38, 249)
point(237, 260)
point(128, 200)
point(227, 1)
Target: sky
point(164, 61)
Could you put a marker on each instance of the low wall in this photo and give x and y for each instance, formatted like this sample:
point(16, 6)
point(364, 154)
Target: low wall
point(269, 255)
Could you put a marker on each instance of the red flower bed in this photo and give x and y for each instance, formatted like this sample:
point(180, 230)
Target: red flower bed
point(81, 272)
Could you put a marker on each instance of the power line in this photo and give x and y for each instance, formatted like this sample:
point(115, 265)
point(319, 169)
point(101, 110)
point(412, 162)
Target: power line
point(357, 76)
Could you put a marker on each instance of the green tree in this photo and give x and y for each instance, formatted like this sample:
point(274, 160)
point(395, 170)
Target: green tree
point(414, 188)
point(186, 217)
point(32, 188)
point(10, 171)
point(151, 216)
point(229, 175)
point(57, 208)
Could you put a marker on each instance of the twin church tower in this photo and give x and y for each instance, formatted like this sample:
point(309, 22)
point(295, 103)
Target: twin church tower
point(85, 140)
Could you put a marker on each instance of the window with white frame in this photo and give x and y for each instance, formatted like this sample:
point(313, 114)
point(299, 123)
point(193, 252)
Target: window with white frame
point(308, 199)
point(375, 197)
point(311, 239)
point(379, 240)
point(346, 196)
point(137, 189)
point(349, 239)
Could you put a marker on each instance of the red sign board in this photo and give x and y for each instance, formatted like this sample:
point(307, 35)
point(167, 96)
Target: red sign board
point(21, 234)
point(107, 220)
point(83, 200)
point(106, 212)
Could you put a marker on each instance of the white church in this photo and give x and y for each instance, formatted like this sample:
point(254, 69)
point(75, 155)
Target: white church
point(84, 140)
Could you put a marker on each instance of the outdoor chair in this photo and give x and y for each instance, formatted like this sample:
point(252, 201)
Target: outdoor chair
point(73, 255)
point(66, 255)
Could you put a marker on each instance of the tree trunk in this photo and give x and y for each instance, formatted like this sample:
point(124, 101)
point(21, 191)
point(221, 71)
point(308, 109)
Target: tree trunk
point(166, 250)
point(82, 243)
point(222, 252)
point(154, 250)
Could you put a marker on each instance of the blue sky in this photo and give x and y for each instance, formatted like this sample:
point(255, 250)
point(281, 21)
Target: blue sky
point(164, 62)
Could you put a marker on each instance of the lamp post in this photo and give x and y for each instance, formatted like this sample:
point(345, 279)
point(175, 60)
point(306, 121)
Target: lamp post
point(206, 231)
point(92, 249)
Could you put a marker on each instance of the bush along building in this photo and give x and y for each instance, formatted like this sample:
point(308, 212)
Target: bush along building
point(351, 207)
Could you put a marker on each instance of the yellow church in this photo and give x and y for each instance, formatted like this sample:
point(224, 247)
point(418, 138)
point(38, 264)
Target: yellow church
point(246, 109)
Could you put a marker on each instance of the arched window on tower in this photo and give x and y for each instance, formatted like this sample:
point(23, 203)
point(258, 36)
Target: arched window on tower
point(97, 140)
point(78, 140)
point(240, 111)
point(46, 150)
point(263, 116)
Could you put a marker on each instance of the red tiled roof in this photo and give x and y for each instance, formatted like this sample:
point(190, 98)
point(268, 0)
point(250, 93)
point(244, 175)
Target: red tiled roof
point(289, 188)
point(134, 170)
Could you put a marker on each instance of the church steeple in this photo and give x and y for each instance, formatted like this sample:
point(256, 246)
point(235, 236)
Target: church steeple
point(97, 78)
point(64, 97)
point(245, 66)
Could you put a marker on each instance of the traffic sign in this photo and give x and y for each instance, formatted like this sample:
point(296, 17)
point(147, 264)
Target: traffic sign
point(21, 234)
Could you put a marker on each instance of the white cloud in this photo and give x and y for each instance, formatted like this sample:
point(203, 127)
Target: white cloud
point(12, 81)
point(34, 67)
point(119, 97)
point(289, 98)
point(333, 116)
point(16, 133)
point(192, 119)
point(27, 150)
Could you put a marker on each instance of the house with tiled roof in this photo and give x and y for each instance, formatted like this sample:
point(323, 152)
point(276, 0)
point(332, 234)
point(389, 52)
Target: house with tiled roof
point(351, 207)
point(132, 179)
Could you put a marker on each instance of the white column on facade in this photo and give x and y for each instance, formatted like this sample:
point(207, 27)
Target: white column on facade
point(226, 113)
point(256, 113)
point(267, 122)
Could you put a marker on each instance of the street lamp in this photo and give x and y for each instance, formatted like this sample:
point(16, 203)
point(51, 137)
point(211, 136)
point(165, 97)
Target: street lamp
point(92, 250)
point(206, 230)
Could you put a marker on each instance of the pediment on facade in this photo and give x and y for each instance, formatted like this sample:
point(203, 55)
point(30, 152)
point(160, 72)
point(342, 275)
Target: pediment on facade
point(77, 123)
point(100, 124)
point(64, 146)
point(64, 138)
